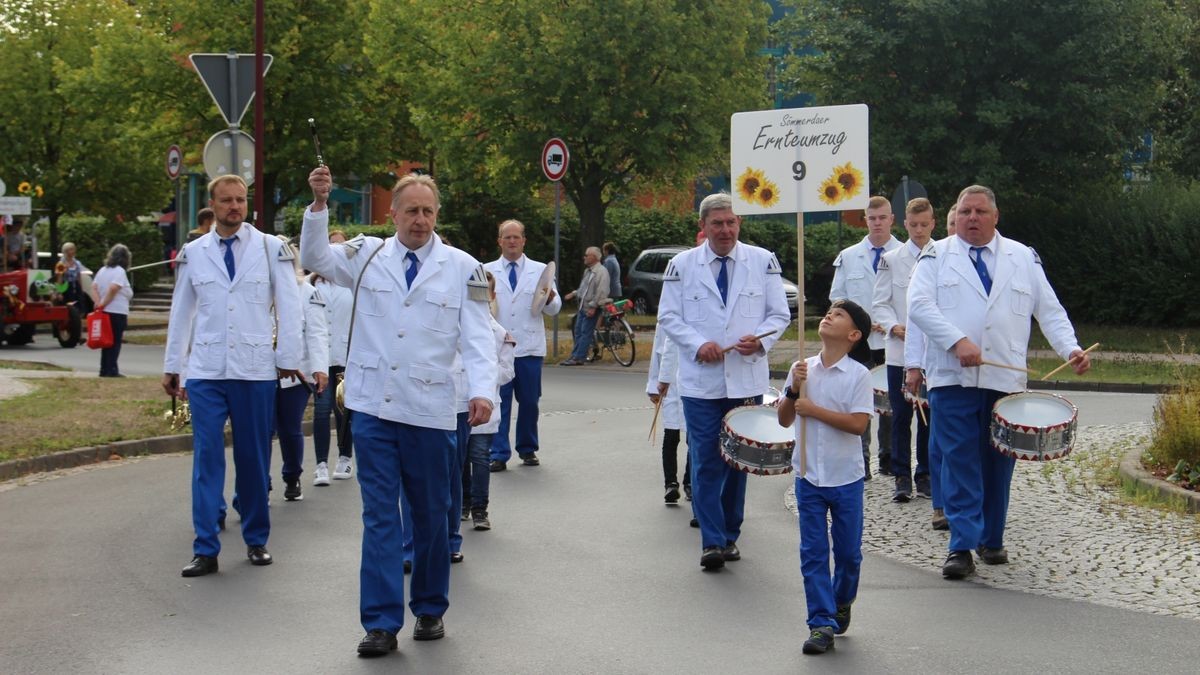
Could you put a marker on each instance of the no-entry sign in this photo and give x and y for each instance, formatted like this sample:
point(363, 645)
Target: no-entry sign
point(555, 159)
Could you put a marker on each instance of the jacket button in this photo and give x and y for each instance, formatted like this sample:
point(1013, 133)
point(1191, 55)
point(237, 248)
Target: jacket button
point(394, 366)
point(387, 399)
point(408, 303)
point(426, 380)
point(400, 334)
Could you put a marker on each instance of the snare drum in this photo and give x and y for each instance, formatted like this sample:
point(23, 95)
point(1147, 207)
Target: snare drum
point(1034, 425)
point(771, 398)
point(753, 442)
point(921, 398)
point(883, 405)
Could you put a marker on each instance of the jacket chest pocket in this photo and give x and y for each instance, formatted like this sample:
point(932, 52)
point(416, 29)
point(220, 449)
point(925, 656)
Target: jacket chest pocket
point(752, 303)
point(947, 293)
point(1021, 298)
point(375, 296)
point(440, 311)
point(695, 305)
point(202, 286)
point(856, 281)
point(256, 289)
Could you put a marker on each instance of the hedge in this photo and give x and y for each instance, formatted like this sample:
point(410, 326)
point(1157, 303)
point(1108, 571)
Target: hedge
point(94, 235)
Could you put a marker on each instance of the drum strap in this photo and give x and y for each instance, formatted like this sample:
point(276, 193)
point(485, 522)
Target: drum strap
point(354, 300)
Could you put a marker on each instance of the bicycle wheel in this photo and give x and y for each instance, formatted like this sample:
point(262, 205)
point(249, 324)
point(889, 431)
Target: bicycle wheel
point(620, 342)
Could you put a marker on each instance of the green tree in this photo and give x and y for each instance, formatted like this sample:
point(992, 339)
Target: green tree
point(1026, 96)
point(67, 121)
point(638, 89)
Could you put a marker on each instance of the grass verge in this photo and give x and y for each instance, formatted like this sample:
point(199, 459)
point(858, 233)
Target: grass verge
point(1127, 338)
point(29, 365)
point(67, 413)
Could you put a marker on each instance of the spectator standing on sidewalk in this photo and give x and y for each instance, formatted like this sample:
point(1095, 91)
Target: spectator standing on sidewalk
point(592, 296)
point(112, 295)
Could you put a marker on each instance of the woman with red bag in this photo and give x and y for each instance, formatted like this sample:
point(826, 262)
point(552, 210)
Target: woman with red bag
point(112, 293)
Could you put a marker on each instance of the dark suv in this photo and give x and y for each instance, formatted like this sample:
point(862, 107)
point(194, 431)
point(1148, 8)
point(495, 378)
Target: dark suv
point(643, 284)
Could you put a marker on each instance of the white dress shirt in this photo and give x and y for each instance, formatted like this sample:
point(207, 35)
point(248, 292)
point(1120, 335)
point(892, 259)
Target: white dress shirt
point(834, 457)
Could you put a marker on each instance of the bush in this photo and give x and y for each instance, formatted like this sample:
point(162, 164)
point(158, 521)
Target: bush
point(94, 235)
point(1176, 440)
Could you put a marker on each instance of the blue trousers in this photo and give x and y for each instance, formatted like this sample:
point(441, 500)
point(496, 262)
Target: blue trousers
point(456, 460)
point(975, 478)
point(902, 414)
point(829, 513)
point(935, 463)
point(527, 387)
point(478, 454)
point(323, 405)
point(718, 490)
point(249, 406)
point(290, 403)
point(583, 331)
point(109, 355)
point(391, 456)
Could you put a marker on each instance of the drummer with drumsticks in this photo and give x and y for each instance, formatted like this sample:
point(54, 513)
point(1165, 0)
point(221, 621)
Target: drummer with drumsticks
point(723, 305)
point(973, 295)
point(830, 470)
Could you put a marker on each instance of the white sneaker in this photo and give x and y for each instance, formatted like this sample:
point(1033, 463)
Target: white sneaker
point(322, 474)
point(342, 472)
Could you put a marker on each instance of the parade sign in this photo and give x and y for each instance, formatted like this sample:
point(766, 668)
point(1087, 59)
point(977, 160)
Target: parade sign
point(799, 160)
point(16, 206)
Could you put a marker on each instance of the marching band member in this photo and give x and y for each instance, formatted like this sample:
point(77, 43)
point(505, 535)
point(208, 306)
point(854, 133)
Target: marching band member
point(890, 311)
point(518, 277)
point(973, 295)
point(664, 370)
point(220, 328)
point(719, 294)
point(854, 279)
point(480, 446)
point(337, 315)
point(418, 301)
point(292, 396)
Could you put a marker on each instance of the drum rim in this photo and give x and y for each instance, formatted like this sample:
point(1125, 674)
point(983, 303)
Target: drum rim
point(769, 445)
point(1036, 394)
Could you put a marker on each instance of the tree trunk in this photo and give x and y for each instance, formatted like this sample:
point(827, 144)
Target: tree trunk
point(591, 207)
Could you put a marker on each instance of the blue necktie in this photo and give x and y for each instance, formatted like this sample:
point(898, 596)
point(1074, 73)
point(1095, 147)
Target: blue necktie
point(981, 268)
point(413, 267)
point(512, 275)
point(875, 263)
point(723, 279)
point(229, 255)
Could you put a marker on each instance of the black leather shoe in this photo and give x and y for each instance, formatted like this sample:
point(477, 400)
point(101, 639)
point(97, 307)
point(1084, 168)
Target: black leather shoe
point(958, 565)
point(993, 556)
point(939, 521)
point(429, 628)
point(713, 558)
point(530, 459)
point(497, 465)
point(456, 556)
point(694, 523)
point(843, 619)
point(258, 555)
point(221, 522)
point(408, 567)
point(672, 496)
point(731, 552)
point(377, 642)
point(200, 565)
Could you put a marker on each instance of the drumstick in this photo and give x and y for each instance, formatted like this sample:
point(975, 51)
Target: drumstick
point(1005, 365)
point(756, 337)
point(1047, 375)
point(654, 422)
point(921, 411)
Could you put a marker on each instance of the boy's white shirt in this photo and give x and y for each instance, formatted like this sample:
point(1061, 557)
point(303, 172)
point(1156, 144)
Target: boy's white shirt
point(834, 457)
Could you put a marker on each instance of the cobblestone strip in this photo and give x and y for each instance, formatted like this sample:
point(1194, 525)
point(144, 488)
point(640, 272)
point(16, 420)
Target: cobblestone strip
point(1069, 535)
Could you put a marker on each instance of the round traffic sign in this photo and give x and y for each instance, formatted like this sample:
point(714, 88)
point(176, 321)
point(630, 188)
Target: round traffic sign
point(3, 187)
point(174, 162)
point(555, 159)
point(230, 151)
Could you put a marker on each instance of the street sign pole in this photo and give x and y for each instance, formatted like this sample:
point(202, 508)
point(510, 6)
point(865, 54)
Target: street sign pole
point(557, 262)
point(260, 220)
point(555, 160)
point(233, 103)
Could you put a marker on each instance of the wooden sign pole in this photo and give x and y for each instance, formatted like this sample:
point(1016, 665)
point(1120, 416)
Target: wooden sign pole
point(800, 332)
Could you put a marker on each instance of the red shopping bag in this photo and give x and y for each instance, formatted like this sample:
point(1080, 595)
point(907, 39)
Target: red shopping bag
point(99, 330)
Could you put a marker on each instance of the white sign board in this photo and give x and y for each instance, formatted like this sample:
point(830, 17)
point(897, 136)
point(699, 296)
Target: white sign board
point(799, 160)
point(16, 206)
point(3, 187)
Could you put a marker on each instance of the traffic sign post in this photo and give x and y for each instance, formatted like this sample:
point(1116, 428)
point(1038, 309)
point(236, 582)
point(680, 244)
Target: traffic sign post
point(229, 79)
point(555, 160)
point(230, 151)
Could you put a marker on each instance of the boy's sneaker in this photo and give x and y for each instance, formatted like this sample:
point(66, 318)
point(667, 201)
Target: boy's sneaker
point(672, 496)
point(321, 476)
point(687, 491)
point(480, 520)
point(903, 491)
point(292, 492)
point(843, 619)
point(923, 489)
point(343, 469)
point(466, 514)
point(819, 641)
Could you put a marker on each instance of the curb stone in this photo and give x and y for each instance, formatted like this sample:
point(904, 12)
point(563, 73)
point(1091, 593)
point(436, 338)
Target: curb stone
point(1136, 478)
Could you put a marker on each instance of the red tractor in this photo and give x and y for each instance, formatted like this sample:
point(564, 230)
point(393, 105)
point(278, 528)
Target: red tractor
point(29, 297)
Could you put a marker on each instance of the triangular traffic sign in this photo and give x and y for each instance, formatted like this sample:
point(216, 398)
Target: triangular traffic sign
point(214, 72)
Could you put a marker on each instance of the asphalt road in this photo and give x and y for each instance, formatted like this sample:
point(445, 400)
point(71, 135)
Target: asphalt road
point(585, 571)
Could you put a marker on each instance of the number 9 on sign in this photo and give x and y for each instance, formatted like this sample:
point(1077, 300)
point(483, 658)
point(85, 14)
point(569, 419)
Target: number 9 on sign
point(799, 171)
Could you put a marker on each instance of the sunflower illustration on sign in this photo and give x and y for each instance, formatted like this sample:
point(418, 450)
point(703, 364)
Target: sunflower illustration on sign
point(845, 182)
point(749, 183)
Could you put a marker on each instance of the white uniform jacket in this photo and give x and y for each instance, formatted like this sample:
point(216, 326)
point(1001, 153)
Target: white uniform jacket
point(516, 305)
point(315, 328)
point(946, 299)
point(221, 329)
point(914, 347)
point(338, 300)
point(890, 304)
point(401, 359)
point(664, 368)
point(505, 372)
point(854, 279)
point(691, 313)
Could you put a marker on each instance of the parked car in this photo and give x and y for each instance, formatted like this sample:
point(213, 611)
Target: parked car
point(643, 283)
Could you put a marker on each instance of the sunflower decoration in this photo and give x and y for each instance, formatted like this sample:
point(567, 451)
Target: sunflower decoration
point(768, 195)
point(849, 178)
point(749, 183)
point(831, 191)
point(27, 189)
